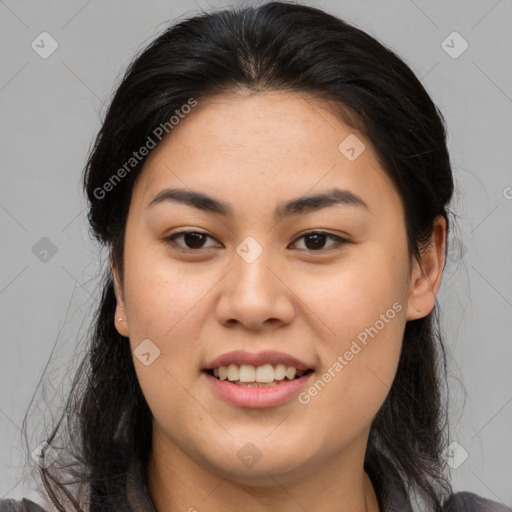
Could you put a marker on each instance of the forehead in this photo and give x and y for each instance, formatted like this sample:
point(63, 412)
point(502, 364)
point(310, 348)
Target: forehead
point(253, 122)
point(273, 142)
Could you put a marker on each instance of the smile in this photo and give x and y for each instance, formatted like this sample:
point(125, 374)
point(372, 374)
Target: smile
point(265, 375)
point(254, 394)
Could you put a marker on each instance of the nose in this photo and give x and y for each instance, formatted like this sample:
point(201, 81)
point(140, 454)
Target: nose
point(255, 294)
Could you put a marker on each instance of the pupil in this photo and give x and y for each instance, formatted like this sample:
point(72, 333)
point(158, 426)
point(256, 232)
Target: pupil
point(194, 238)
point(318, 242)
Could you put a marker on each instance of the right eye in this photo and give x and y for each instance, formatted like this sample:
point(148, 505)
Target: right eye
point(193, 239)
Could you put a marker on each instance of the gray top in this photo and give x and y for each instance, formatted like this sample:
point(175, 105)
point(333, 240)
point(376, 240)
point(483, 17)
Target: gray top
point(136, 498)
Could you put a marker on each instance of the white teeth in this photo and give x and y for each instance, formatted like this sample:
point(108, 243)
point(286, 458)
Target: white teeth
point(290, 372)
point(280, 372)
point(247, 372)
point(263, 374)
point(233, 373)
point(223, 372)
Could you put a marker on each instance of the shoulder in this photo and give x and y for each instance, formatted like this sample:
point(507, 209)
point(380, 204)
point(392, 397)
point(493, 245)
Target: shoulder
point(469, 502)
point(20, 506)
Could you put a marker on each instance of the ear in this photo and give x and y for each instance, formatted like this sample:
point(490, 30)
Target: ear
point(120, 317)
point(427, 273)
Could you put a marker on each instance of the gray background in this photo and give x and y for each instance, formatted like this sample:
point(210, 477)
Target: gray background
point(51, 109)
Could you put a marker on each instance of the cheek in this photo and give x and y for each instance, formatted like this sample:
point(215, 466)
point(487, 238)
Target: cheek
point(363, 306)
point(356, 293)
point(161, 295)
point(164, 305)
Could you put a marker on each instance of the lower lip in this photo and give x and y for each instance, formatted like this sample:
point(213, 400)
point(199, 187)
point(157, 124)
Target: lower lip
point(266, 396)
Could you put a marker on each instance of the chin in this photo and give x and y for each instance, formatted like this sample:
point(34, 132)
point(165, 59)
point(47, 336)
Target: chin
point(260, 463)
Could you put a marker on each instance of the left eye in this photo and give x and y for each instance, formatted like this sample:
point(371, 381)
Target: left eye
point(314, 240)
point(318, 238)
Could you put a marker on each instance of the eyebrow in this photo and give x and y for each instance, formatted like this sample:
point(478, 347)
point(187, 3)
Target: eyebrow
point(296, 206)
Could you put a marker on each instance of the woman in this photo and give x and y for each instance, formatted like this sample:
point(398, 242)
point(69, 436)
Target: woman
point(273, 185)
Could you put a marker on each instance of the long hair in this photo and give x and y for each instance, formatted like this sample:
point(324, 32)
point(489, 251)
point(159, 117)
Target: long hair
point(274, 46)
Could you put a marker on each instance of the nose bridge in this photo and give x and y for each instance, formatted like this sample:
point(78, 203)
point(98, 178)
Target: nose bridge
point(253, 293)
point(251, 265)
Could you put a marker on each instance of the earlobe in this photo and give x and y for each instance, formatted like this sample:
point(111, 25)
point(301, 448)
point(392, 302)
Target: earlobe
point(120, 321)
point(422, 295)
point(427, 274)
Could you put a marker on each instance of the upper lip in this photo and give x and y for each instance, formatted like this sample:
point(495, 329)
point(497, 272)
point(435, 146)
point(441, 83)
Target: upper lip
point(266, 357)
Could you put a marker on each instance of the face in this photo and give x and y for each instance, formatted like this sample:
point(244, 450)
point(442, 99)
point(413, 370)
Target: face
point(328, 282)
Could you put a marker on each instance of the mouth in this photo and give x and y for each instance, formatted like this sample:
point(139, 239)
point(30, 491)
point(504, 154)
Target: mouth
point(242, 386)
point(257, 380)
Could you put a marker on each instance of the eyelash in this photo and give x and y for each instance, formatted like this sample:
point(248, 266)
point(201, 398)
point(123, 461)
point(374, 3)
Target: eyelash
point(339, 241)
